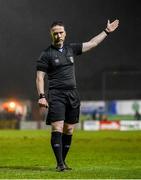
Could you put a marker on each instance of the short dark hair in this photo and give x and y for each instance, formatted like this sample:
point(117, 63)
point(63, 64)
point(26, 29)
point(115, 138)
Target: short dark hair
point(55, 23)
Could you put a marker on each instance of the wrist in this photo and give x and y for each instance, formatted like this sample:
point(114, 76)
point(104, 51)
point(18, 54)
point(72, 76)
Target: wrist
point(106, 31)
point(42, 95)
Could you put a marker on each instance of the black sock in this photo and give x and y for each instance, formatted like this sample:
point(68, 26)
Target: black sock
point(66, 142)
point(56, 143)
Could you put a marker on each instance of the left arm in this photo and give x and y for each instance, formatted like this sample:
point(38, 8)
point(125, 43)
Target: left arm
point(86, 46)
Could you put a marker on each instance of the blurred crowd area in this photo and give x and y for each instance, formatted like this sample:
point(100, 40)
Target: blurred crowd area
point(22, 114)
point(111, 110)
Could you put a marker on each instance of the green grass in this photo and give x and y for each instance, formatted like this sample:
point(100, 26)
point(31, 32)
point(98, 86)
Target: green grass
point(103, 154)
point(121, 117)
point(116, 117)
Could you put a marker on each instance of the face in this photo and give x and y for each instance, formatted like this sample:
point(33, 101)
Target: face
point(58, 35)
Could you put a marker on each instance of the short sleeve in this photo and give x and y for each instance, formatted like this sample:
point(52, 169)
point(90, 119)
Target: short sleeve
point(77, 48)
point(42, 62)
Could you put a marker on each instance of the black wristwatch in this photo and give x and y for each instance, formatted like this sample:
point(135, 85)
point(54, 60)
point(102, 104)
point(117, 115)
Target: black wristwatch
point(107, 32)
point(42, 95)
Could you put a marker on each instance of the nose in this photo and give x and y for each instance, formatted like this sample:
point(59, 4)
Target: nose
point(59, 35)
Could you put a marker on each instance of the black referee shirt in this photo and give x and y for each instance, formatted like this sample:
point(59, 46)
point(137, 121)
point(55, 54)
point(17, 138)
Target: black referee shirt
point(59, 66)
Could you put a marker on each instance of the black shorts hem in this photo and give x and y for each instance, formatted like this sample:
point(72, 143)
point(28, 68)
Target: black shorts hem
point(48, 122)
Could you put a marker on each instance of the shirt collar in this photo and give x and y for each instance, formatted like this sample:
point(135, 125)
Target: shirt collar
point(58, 49)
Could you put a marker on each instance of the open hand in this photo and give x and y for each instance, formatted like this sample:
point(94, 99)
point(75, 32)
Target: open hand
point(112, 26)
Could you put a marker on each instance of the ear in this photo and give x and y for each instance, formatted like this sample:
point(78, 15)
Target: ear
point(50, 32)
point(65, 33)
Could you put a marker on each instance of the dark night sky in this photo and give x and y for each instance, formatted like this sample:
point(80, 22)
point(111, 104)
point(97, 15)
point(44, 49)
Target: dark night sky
point(24, 34)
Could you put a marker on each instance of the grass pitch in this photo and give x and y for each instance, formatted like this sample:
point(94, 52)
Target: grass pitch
point(103, 154)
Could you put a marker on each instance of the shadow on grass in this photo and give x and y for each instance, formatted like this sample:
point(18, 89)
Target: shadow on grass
point(32, 168)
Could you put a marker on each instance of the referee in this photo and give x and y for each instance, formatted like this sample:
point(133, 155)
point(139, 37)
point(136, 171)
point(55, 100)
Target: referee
point(62, 101)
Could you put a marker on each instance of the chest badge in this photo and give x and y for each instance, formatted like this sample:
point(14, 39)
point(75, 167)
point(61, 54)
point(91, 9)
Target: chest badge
point(56, 61)
point(71, 59)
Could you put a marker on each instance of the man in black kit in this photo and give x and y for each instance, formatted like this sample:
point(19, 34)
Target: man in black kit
point(63, 103)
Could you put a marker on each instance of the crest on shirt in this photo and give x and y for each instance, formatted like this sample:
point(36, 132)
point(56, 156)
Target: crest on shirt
point(71, 59)
point(56, 61)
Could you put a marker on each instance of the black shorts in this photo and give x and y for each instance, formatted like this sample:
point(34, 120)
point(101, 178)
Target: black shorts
point(63, 105)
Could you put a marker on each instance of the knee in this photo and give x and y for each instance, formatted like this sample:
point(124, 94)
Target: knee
point(68, 130)
point(57, 126)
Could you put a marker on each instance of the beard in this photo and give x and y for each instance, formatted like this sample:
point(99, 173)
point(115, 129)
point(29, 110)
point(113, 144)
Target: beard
point(58, 42)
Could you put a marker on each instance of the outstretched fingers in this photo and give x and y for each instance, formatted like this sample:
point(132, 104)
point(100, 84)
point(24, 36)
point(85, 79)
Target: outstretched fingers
point(113, 25)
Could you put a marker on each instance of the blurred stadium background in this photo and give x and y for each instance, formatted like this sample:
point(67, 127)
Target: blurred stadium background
point(107, 144)
point(108, 77)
